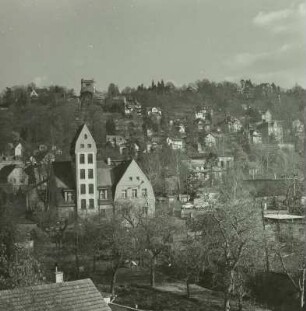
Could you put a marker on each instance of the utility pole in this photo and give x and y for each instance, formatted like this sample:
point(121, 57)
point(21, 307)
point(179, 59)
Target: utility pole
point(265, 238)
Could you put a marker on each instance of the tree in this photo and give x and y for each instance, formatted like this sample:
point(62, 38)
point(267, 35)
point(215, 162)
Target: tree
point(233, 235)
point(188, 259)
point(155, 236)
point(113, 90)
point(291, 256)
point(18, 266)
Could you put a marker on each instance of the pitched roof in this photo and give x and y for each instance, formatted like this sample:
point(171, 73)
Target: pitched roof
point(75, 138)
point(64, 174)
point(5, 172)
point(104, 175)
point(119, 170)
point(81, 295)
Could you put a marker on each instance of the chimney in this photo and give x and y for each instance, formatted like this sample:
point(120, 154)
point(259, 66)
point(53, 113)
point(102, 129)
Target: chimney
point(59, 276)
point(109, 161)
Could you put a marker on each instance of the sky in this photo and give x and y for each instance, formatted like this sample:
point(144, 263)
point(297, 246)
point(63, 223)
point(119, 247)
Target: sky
point(130, 42)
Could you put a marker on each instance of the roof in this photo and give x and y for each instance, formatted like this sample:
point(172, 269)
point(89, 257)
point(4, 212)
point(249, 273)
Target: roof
point(81, 295)
point(267, 187)
point(64, 174)
point(117, 307)
point(104, 174)
point(75, 138)
point(119, 170)
point(283, 216)
point(5, 172)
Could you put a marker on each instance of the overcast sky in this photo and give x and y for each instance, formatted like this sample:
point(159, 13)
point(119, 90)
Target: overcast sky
point(130, 42)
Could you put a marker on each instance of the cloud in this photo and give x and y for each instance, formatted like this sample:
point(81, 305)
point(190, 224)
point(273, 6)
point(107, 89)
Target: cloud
point(287, 20)
point(247, 60)
point(285, 64)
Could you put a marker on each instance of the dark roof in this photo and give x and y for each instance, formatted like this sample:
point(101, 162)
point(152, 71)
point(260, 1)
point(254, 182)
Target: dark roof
point(75, 138)
point(5, 172)
point(267, 187)
point(64, 174)
point(119, 170)
point(81, 295)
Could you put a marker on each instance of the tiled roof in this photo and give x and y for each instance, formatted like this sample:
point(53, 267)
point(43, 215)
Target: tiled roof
point(81, 295)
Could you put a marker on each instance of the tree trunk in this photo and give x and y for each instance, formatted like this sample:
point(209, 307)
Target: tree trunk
point(113, 281)
point(152, 275)
point(302, 291)
point(228, 291)
point(94, 263)
point(188, 288)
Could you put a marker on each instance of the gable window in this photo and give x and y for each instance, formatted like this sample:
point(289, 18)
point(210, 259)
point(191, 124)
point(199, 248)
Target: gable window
point(82, 146)
point(103, 194)
point(124, 194)
point(68, 197)
point(90, 158)
point(134, 193)
point(90, 188)
point(131, 178)
point(85, 136)
point(83, 204)
point(90, 173)
point(82, 174)
point(83, 189)
point(82, 158)
point(138, 178)
point(144, 192)
point(88, 145)
point(91, 203)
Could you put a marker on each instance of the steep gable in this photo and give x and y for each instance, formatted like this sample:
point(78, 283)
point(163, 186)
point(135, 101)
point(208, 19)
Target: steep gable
point(83, 137)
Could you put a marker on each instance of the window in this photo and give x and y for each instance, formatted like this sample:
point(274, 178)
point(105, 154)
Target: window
point(134, 193)
point(68, 197)
point(82, 146)
point(83, 204)
point(85, 136)
point(83, 189)
point(90, 173)
point(144, 193)
point(131, 178)
point(82, 158)
point(124, 194)
point(90, 158)
point(90, 188)
point(82, 174)
point(91, 203)
point(88, 145)
point(138, 178)
point(103, 194)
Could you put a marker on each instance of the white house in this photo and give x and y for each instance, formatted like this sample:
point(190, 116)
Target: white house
point(210, 140)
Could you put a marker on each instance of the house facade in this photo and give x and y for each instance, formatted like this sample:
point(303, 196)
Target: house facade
point(13, 176)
